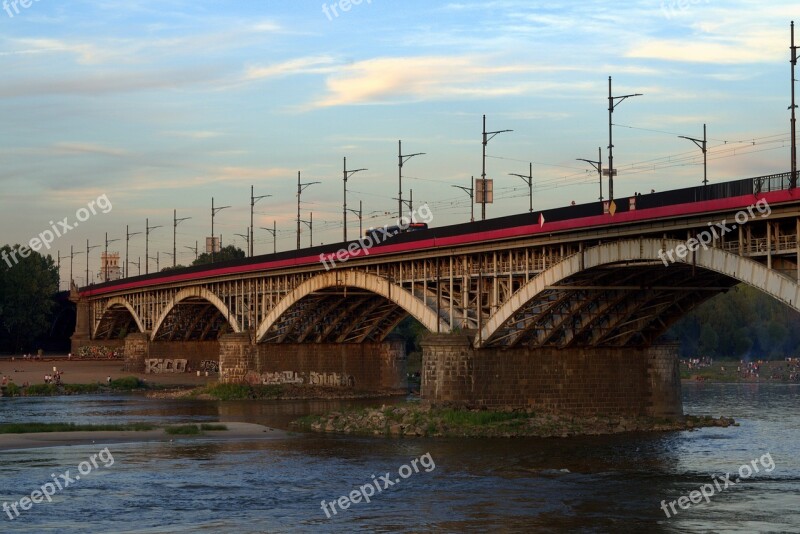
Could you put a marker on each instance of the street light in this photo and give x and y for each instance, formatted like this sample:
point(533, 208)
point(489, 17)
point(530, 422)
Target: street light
point(213, 238)
point(253, 200)
point(359, 215)
point(274, 232)
point(300, 189)
point(195, 249)
point(528, 180)
point(105, 262)
point(138, 264)
point(128, 236)
point(246, 237)
point(346, 174)
point(793, 179)
point(612, 104)
point(88, 250)
point(701, 144)
point(175, 222)
point(487, 136)
point(401, 159)
point(147, 245)
point(598, 166)
point(310, 224)
point(72, 255)
point(471, 192)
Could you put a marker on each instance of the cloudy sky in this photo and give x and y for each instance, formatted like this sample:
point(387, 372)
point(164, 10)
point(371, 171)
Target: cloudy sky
point(164, 105)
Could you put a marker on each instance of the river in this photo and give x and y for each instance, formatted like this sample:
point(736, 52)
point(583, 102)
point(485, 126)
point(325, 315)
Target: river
point(584, 484)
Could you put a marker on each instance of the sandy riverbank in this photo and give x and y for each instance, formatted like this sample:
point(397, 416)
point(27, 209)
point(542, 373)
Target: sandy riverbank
point(236, 432)
point(90, 372)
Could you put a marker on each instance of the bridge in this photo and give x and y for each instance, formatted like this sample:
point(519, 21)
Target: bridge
point(560, 309)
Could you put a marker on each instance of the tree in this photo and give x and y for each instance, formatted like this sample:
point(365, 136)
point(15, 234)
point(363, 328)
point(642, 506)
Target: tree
point(27, 287)
point(228, 253)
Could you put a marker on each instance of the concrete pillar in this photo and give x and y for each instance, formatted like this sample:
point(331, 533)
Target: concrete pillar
point(664, 378)
point(83, 325)
point(137, 350)
point(394, 364)
point(236, 357)
point(447, 368)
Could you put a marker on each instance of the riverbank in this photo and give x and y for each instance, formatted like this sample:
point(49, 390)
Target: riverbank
point(416, 420)
point(777, 371)
point(234, 432)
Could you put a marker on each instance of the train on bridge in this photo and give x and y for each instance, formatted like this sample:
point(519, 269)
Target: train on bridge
point(718, 197)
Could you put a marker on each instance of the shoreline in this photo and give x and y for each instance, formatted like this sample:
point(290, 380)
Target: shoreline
point(236, 431)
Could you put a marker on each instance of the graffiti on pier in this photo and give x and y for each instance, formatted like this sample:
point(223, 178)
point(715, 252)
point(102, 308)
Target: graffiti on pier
point(212, 366)
point(312, 378)
point(157, 366)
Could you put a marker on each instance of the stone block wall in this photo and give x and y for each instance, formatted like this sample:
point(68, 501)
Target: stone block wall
point(585, 381)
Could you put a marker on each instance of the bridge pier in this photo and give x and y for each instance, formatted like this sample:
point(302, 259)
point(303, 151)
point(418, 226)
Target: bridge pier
point(583, 381)
point(366, 366)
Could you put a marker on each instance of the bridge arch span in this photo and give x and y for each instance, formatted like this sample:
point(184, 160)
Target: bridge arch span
point(195, 292)
point(725, 269)
point(114, 304)
point(358, 280)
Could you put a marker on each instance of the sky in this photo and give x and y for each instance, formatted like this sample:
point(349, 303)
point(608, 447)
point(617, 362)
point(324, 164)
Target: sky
point(161, 106)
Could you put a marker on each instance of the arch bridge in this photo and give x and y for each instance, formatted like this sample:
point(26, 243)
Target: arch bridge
point(531, 300)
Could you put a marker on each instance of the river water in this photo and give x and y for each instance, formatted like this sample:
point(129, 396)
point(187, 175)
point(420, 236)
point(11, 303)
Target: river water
point(587, 484)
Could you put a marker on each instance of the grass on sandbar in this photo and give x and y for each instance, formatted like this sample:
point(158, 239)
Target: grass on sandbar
point(28, 428)
point(192, 430)
point(227, 392)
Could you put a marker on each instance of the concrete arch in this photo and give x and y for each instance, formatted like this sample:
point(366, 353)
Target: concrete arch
point(737, 267)
point(119, 301)
point(197, 292)
point(360, 280)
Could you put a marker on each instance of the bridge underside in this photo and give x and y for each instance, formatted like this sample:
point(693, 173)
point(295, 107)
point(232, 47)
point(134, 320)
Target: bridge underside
point(337, 315)
point(193, 319)
point(629, 304)
point(116, 323)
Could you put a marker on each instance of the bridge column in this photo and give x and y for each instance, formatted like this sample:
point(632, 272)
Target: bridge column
point(137, 349)
point(83, 325)
point(580, 381)
point(236, 357)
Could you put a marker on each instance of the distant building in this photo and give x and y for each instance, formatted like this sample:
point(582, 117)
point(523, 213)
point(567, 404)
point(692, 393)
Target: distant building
point(109, 267)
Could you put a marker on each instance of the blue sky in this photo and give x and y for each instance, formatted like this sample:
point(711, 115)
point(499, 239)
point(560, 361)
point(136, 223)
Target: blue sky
point(162, 105)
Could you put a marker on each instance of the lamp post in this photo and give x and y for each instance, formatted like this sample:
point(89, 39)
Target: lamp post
point(300, 189)
point(310, 224)
point(105, 262)
point(195, 250)
point(72, 255)
point(274, 232)
point(147, 244)
point(359, 215)
point(214, 212)
point(793, 107)
point(701, 144)
point(487, 136)
point(88, 250)
point(128, 236)
point(598, 165)
point(613, 102)
point(246, 237)
point(401, 159)
point(345, 175)
point(253, 200)
point(175, 222)
point(528, 180)
point(471, 192)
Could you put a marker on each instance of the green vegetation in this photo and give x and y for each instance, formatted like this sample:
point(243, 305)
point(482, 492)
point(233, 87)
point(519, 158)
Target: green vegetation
point(240, 392)
point(28, 428)
point(742, 322)
point(127, 383)
point(13, 390)
point(192, 430)
point(77, 389)
point(41, 390)
point(228, 253)
point(183, 430)
point(26, 297)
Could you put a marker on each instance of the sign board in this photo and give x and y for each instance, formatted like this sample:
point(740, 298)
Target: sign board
point(605, 172)
point(481, 196)
point(212, 242)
